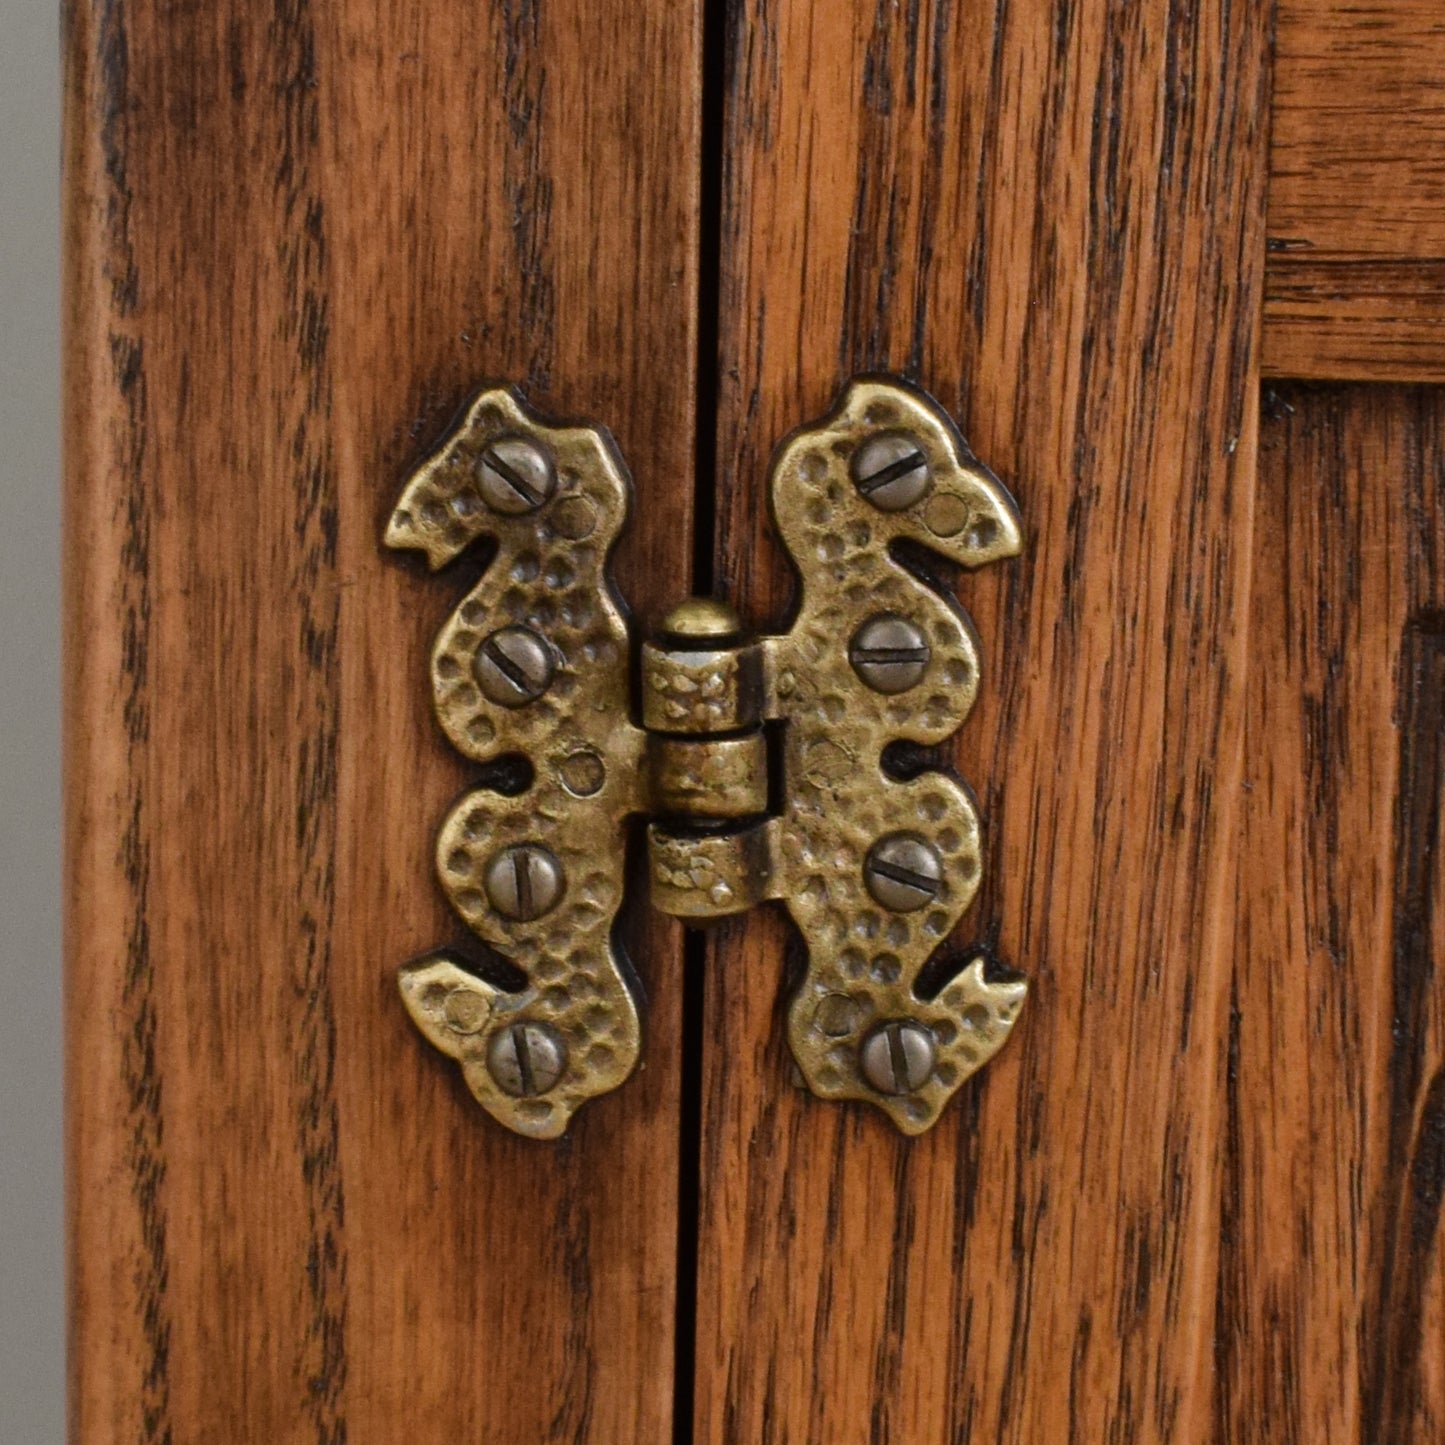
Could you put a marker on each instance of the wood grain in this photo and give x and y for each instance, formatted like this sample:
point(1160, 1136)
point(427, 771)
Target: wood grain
point(1332, 1279)
point(1052, 216)
point(1355, 285)
point(297, 237)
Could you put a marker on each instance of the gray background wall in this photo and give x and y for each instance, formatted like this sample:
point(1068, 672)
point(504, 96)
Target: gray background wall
point(31, 1217)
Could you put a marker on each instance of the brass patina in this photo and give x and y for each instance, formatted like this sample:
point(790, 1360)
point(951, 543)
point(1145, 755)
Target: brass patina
point(876, 869)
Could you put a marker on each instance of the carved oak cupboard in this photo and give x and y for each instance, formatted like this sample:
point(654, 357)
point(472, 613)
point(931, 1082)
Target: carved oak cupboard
point(1177, 269)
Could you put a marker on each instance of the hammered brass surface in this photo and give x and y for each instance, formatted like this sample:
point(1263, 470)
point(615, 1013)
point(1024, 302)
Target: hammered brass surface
point(688, 688)
point(838, 800)
point(548, 576)
point(538, 875)
point(710, 875)
point(710, 778)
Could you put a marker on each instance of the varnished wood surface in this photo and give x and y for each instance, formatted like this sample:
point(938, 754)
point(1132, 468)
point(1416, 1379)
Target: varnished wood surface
point(1355, 285)
point(1052, 215)
point(1331, 1308)
point(297, 237)
point(1198, 1195)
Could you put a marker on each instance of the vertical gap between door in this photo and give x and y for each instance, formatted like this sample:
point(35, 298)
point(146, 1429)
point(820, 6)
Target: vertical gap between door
point(688, 1186)
point(714, 18)
point(709, 261)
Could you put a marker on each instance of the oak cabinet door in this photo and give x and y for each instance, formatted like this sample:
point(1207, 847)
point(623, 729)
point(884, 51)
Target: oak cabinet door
point(299, 237)
point(1178, 269)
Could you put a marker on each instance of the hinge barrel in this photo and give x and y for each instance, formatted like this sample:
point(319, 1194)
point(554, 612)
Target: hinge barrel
point(709, 848)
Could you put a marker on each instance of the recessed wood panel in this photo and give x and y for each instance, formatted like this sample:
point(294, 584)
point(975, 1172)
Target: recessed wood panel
point(1355, 285)
point(298, 237)
point(1332, 1281)
point(1052, 217)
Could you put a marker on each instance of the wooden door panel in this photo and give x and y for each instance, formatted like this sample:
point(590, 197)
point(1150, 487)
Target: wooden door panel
point(297, 238)
point(1052, 216)
point(1198, 1197)
point(1355, 283)
point(1331, 1314)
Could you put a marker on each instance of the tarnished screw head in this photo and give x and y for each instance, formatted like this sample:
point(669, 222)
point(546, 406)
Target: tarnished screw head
point(889, 653)
point(526, 1059)
point(515, 476)
point(523, 881)
point(903, 872)
point(514, 666)
point(897, 1057)
point(891, 470)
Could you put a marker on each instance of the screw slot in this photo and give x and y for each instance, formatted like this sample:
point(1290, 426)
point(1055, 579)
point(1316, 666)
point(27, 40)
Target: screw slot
point(889, 653)
point(515, 476)
point(903, 873)
point(897, 1057)
point(526, 1060)
point(514, 666)
point(524, 881)
point(891, 471)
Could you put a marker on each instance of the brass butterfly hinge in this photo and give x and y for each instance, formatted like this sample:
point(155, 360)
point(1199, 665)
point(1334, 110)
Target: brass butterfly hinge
point(535, 662)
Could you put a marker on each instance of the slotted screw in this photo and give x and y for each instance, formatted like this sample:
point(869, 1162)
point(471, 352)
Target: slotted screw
point(523, 881)
point(526, 1059)
point(514, 666)
point(515, 476)
point(889, 653)
point(902, 872)
point(891, 471)
point(897, 1057)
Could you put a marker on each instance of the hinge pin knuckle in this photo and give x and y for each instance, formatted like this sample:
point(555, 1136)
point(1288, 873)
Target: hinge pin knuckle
point(702, 706)
point(708, 779)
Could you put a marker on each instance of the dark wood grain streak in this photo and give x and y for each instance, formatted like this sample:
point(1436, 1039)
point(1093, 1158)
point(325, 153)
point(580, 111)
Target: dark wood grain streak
point(314, 690)
point(1410, 1261)
point(297, 239)
point(1050, 215)
point(134, 1144)
point(1331, 1319)
point(521, 77)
